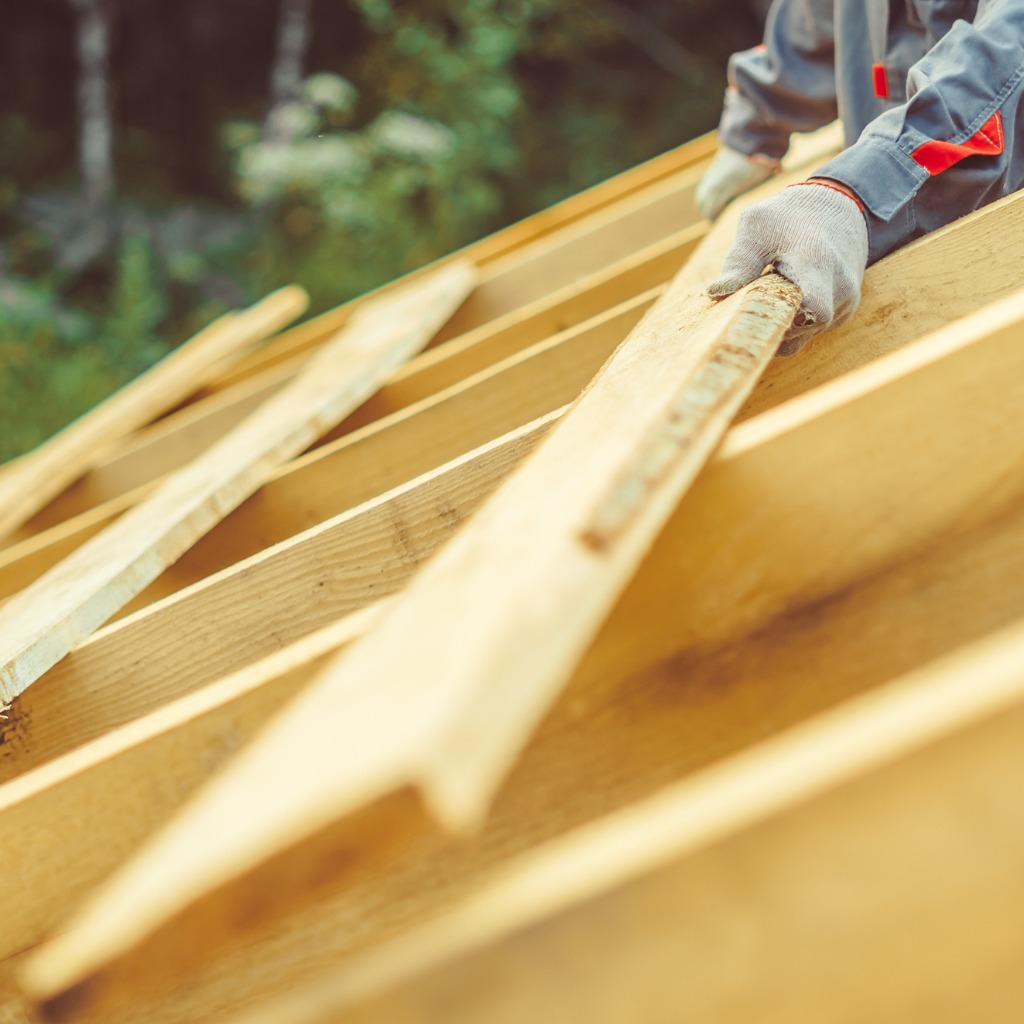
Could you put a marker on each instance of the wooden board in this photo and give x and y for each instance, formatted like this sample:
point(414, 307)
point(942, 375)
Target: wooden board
point(30, 482)
point(864, 863)
point(584, 294)
point(913, 387)
point(933, 298)
point(629, 735)
point(730, 590)
point(133, 666)
point(43, 623)
point(365, 463)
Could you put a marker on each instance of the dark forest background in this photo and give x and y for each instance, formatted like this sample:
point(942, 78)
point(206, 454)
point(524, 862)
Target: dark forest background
point(164, 160)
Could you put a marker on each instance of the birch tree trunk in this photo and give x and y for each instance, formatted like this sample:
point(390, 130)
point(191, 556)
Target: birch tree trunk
point(95, 118)
point(286, 75)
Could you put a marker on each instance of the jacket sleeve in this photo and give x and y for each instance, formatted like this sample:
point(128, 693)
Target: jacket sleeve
point(954, 145)
point(786, 85)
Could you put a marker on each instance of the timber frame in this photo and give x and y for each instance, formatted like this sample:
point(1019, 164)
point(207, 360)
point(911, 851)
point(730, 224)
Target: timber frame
point(809, 681)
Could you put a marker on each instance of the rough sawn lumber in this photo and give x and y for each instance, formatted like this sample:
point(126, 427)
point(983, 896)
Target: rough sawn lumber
point(952, 395)
point(28, 483)
point(45, 621)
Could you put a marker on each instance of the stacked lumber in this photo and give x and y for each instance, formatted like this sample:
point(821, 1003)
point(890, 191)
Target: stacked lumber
point(587, 665)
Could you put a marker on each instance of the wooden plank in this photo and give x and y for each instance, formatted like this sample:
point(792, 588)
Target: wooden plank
point(43, 623)
point(885, 828)
point(877, 505)
point(363, 464)
point(900, 301)
point(130, 779)
point(390, 451)
point(181, 437)
point(735, 584)
point(30, 482)
point(138, 664)
point(630, 735)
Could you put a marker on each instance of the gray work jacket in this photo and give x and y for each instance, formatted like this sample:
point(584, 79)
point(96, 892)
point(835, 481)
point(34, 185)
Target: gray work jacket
point(930, 93)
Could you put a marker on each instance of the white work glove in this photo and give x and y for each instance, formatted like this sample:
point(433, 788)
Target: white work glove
point(816, 236)
point(730, 175)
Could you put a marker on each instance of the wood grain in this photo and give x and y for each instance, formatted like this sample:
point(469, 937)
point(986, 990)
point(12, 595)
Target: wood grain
point(629, 735)
point(43, 623)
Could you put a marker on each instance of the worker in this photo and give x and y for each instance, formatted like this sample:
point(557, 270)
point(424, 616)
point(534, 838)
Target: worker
point(929, 93)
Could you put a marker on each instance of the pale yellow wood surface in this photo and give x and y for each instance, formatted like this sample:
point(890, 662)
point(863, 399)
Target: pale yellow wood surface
point(659, 333)
point(861, 867)
point(628, 736)
point(29, 483)
point(901, 453)
point(363, 464)
point(140, 663)
point(621, 231)
point(43, 623)
point(899, 301)
point(126, 782)
point(727, 593)
point(750, 513)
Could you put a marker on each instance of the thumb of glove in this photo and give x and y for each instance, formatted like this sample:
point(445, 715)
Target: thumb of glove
point(743, 264)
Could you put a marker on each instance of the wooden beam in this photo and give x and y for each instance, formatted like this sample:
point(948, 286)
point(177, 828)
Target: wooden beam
point(43, 623)
point(630, 734)
point(390, 451)
point(365, 463)
point(30, 482)
point(179, 744)
point(138, 664)
point(864, 860)
point(181, 437)
point(867, 512)
point(898, 301)
point(409, 661)
point(737, 584)
point(851, 546)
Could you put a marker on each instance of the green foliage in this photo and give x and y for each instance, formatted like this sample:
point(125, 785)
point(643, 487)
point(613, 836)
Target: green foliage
point(423, 124)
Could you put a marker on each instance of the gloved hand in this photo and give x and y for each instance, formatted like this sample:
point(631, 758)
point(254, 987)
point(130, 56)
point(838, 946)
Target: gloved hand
point(730, 175)
point(816, 236)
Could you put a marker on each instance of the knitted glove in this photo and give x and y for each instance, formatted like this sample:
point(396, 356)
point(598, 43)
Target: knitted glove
point(816, 236)
point(730, 175)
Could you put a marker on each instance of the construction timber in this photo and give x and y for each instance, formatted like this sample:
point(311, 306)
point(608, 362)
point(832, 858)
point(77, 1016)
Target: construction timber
point(543, 686)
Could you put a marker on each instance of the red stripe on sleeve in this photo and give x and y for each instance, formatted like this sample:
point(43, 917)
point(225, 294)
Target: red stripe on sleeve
point(880, 80)
point(935, 156)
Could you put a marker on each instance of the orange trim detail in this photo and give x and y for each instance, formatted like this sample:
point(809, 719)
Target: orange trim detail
point(835, 188)
point(935, 156)
point(880, 80)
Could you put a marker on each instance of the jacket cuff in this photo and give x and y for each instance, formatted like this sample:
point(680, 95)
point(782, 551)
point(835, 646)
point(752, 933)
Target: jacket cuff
point(886, 180)
point(744, 130)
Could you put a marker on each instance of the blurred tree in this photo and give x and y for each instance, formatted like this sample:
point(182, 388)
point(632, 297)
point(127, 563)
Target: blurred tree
point(95, 127)
point(286, 76)
point(333, 143)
